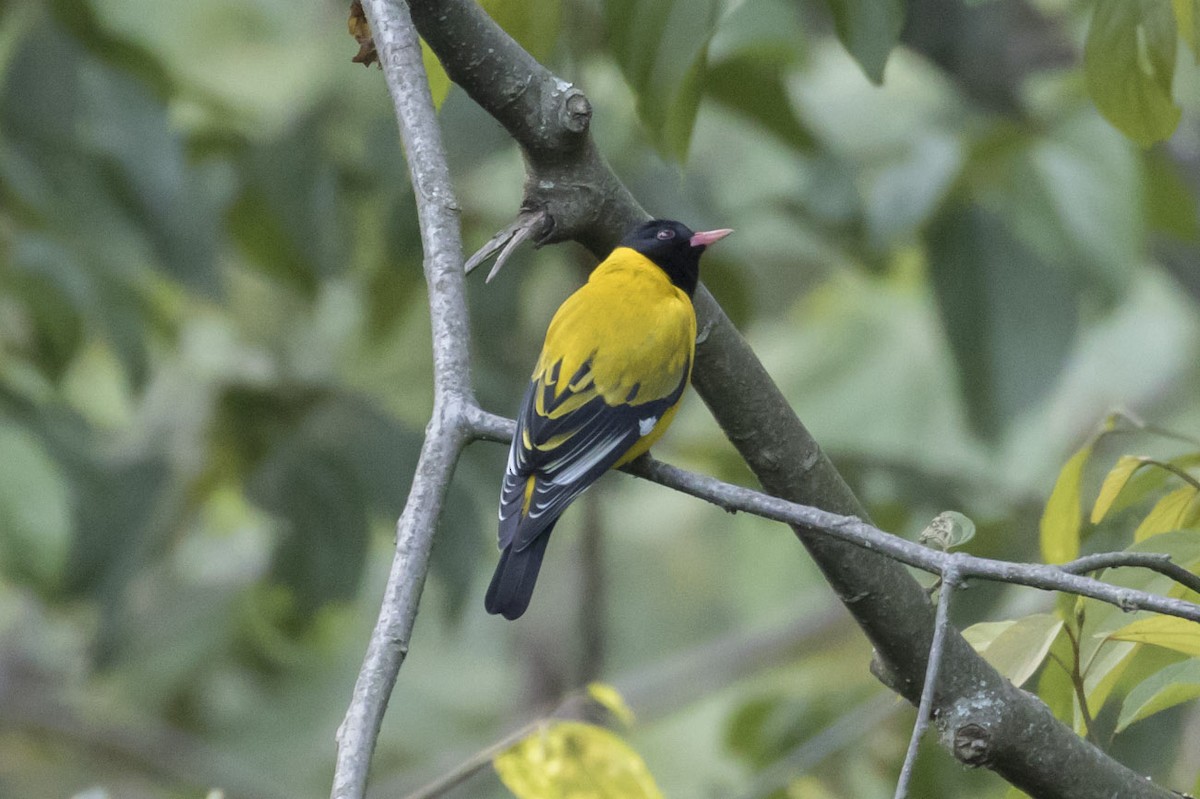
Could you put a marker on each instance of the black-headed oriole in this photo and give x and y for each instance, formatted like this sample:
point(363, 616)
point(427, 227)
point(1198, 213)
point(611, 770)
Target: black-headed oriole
point(617, 358)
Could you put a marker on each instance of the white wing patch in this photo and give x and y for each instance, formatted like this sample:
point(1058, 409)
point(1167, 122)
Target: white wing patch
point(591, 458)
point(646, 425)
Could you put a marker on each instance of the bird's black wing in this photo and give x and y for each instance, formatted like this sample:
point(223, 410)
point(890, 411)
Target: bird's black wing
point(564, 443)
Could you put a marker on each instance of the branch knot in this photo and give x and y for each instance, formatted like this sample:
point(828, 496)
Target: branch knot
point(576, 112)
point(973, 744)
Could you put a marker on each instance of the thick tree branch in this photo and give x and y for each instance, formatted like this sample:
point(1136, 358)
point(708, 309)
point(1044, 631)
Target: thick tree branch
point(567, 177)
point(570, 181)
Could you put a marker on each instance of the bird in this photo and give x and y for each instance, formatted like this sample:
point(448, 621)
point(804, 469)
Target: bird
point(616, 360)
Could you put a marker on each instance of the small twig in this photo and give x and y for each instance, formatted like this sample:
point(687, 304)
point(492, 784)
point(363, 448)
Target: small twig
point(1154, 561)
point(1077, 683)
point(849, 728)
point(941, 627)
point(1182, 474)
point(528, 224)
point(1139, 425)
point(474, 764)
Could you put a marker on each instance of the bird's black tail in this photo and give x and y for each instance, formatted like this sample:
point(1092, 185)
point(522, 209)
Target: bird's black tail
point(516, 574)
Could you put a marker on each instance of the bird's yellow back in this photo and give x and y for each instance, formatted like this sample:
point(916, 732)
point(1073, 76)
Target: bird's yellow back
point(638, 329)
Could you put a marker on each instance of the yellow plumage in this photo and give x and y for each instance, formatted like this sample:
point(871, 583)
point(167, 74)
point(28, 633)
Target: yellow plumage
point(635, 327)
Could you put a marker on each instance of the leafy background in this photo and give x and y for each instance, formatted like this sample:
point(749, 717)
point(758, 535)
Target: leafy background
point(967, 231)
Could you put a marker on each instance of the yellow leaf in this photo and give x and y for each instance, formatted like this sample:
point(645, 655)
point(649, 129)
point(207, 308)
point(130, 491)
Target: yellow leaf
point(1172, 512)
point(439, 81)
point(613, 702)
point(1113, 483)
point(1015, 648)
point(573, 760)
point(1168, 632)
point(1063, 515)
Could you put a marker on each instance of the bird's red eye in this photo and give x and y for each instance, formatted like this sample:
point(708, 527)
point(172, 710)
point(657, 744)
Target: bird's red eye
point(666, 235)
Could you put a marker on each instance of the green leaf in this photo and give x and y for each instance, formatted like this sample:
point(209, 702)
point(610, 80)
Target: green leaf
point(288, 216)
point(322, 463)
point(1175, 511)
point(573, 760)
point(1103, 669)
point(1063, 515)
point(1015, 648)
point(768, 726)
point(756, 89)
point(262, 236)
point(1187, 18)
point(80, 18)
point(749, 58)
point(1073, 193)
point(55, 292)
point(35, 511)
point(1170, 204)
point(1177, 683)
point(906, 191)
point(1180, 635)
point(662, 49)
point(1116, 479)
point(1054, 685)
point(324, 544)
point(1129, 61)
point(869, 29)
point(1010, 317)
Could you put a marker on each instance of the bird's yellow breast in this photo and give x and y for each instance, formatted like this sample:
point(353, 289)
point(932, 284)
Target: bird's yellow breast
point(636, 327)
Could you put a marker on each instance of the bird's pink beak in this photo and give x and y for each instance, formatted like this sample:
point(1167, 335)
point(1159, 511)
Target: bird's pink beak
point(707, 237)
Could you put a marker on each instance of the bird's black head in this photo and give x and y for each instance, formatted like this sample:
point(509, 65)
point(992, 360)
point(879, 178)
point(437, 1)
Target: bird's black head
point(674, 248)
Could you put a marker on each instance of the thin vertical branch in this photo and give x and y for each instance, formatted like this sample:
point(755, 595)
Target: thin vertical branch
point(1075, 672)
point(448, 430)
point(941, 629)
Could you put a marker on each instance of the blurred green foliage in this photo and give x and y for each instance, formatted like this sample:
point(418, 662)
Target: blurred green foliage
point(214, 373)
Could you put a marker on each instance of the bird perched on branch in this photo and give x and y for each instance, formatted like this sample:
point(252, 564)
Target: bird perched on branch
point(617, 358)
